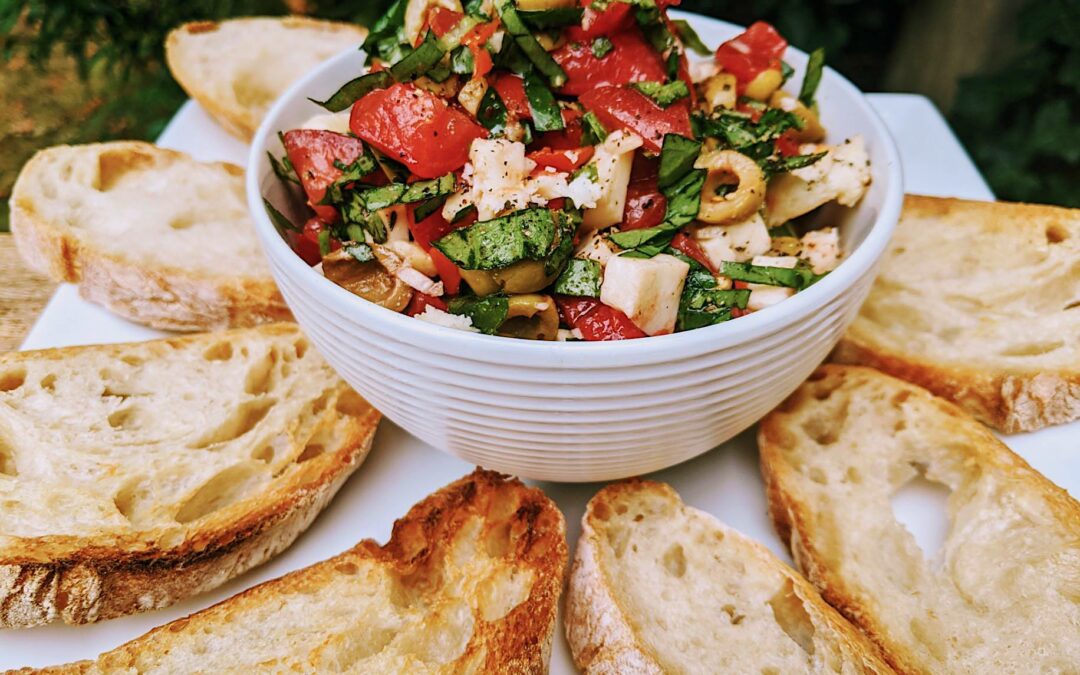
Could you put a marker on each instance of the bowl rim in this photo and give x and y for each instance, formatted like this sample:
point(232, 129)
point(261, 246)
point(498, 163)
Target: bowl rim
point(710, 338)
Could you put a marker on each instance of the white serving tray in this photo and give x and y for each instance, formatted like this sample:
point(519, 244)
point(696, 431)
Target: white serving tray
point(401, 470)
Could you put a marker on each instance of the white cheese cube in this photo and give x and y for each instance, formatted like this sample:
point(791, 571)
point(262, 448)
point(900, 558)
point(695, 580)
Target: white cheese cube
point(647, 290)
point(737, 242)
point(785, 261)
point(762, 296)
point(841, 175)
point(821, 248)
point(613, 160)
point(596, 247)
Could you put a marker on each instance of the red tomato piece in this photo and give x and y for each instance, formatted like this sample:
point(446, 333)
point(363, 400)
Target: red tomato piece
point(449, 273)
point(441, 21)
point(562, 160)
point(421, 301)
point(595, 320)
point(632, 59)
point(788, 145)
point(306, 242)
point(568, 138)
point(313, 153)
point(416, 128)
point(629, 109)
point(746, 55)
point(511, 89)
point(645, 204)
point(594, 24)
point(691, 249)
point(430, 229)
point(475, 40)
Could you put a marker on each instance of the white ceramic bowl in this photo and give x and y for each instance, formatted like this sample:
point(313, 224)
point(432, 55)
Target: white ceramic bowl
point(581, 411)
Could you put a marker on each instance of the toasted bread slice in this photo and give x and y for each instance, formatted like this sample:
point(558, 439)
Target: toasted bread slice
point(152, 234)
point(132, 476)
point(235, 69)
point(1002, 595)
point(979, 302)
point(468, 583)
point(660, 587)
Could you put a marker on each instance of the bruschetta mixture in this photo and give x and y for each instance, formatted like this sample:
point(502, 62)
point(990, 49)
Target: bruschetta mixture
point(560, 169)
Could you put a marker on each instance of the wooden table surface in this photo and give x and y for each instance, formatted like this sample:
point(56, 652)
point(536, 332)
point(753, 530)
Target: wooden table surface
point(23, 295)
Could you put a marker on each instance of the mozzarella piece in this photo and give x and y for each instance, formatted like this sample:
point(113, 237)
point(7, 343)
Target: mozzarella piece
point(440, 318)
point(647, 290)
point(843, 175)
point(737, 242)
point(762, 296)
point(613, 160)
point(821, 248)
point(414, 256)
point(337, 122)
point(498, 172)
point(786, 261)
point(596, 247)
point(472, 93)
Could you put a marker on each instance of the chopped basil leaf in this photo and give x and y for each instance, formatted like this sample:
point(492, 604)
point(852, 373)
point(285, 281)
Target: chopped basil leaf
point(581, 278)
point(690, 319)
point(690, 37)
point(537, 54)
point(350, 173)
point(281, 223)
point(814, 67)
point(799, 277)
point(360, 252)
point(324, 242)
point(648, 17)
point(424, 211)
point(353, 233)
point(355, 214)
point(786, 71)
point(283, 168)
point(683, 204)
point(510, 57)
point(461, 61)
point(589, 171)
point(784, 230)
point(671, 65)
point(439, 74)
point(703, 303)
point(380, 197)
point(387, 32)
point(407, 193)
point(355, 89)
point(563, 249)
point(785, 164)
point(546, 114)
point(492, 113)
point(419, 61)
point(663, 95)
point(487, 313)
point(462, 214)
point(475, 8)
point(393, 169)
point(594, 131)
point(551, 18)
point(601, 47)
point(677, 157)
point(501, 242)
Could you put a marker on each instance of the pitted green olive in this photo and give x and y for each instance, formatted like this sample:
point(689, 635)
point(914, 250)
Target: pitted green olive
point(525, 276)
point(531, 316)
point(369, 280)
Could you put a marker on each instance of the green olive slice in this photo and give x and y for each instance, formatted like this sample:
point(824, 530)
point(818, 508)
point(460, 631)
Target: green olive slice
point(531, 316)
point(369, 280)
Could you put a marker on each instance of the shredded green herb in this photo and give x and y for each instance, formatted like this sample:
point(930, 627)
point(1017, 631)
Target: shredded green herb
point(487, 313)
point(814, 68)
point(662, 94)
point(601, 47)
point(581, 278)
point(690, 38)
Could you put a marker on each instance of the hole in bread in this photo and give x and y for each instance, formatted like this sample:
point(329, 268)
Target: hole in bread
point(264, 454)
point(114, 165)
point(260, 376)
point(352, 404)
point(824, 430)
point(900, 397)
point(128, 498)
point(921, 507)
point(618, 538)
point(48, 383)
point(311, 451)
point(675, 561)
point(621, 509)
point(735, 617)
point(226, 487)
point(219, 351)
point(7, 459)
point(498, 542)
point(1033, 348)
point(1056, 233)
point(347, 568)
point(242, 420)
point(10, 380)
point(131, 360)
point(301, 347)
point(181, 222)
point(502, 591)
point(791, 615)
point(601, 511)
point(817, 474)
point(124, 418)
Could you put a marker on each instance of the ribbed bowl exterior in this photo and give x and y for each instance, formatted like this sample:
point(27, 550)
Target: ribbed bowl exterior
point(578, 411)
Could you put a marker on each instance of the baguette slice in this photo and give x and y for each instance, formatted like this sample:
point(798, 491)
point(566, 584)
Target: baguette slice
point(468, 583)
point(133, 476)
point(152, 234)
point(980, 303)
point(235, 69)
point(1002, 595)
point(660, 587)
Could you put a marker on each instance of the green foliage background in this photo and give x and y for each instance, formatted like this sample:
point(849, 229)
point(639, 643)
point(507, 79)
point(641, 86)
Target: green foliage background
point(85, 70)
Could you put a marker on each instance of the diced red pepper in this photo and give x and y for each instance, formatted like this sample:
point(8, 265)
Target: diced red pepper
point(632, 59)
point(511, 89)
point(421, 301)
point(595, 320)
point(306, 242)
point(416, 128)
point(430, 230)
point(567, 160)
point(313, 153)
point(788, 143)
point(629, 109)
point(441, 21)
point(449, 273)
point(690, 248)
point(645, 204)
point(569, 137)
point(475, 40)
point(757, 49)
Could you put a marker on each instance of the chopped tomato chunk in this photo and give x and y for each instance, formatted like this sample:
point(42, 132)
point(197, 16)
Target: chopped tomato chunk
point(645, 204)
point(421, 301)
point(569, 159)
point(691, 249)
point(757, 49)
point(416, 128)
point(567, 138)
point(595, 320)
point(441, 21)
point(511, 90)
point(306, 242)
point(313, 153)
point(629, 109)
point(632, 59)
